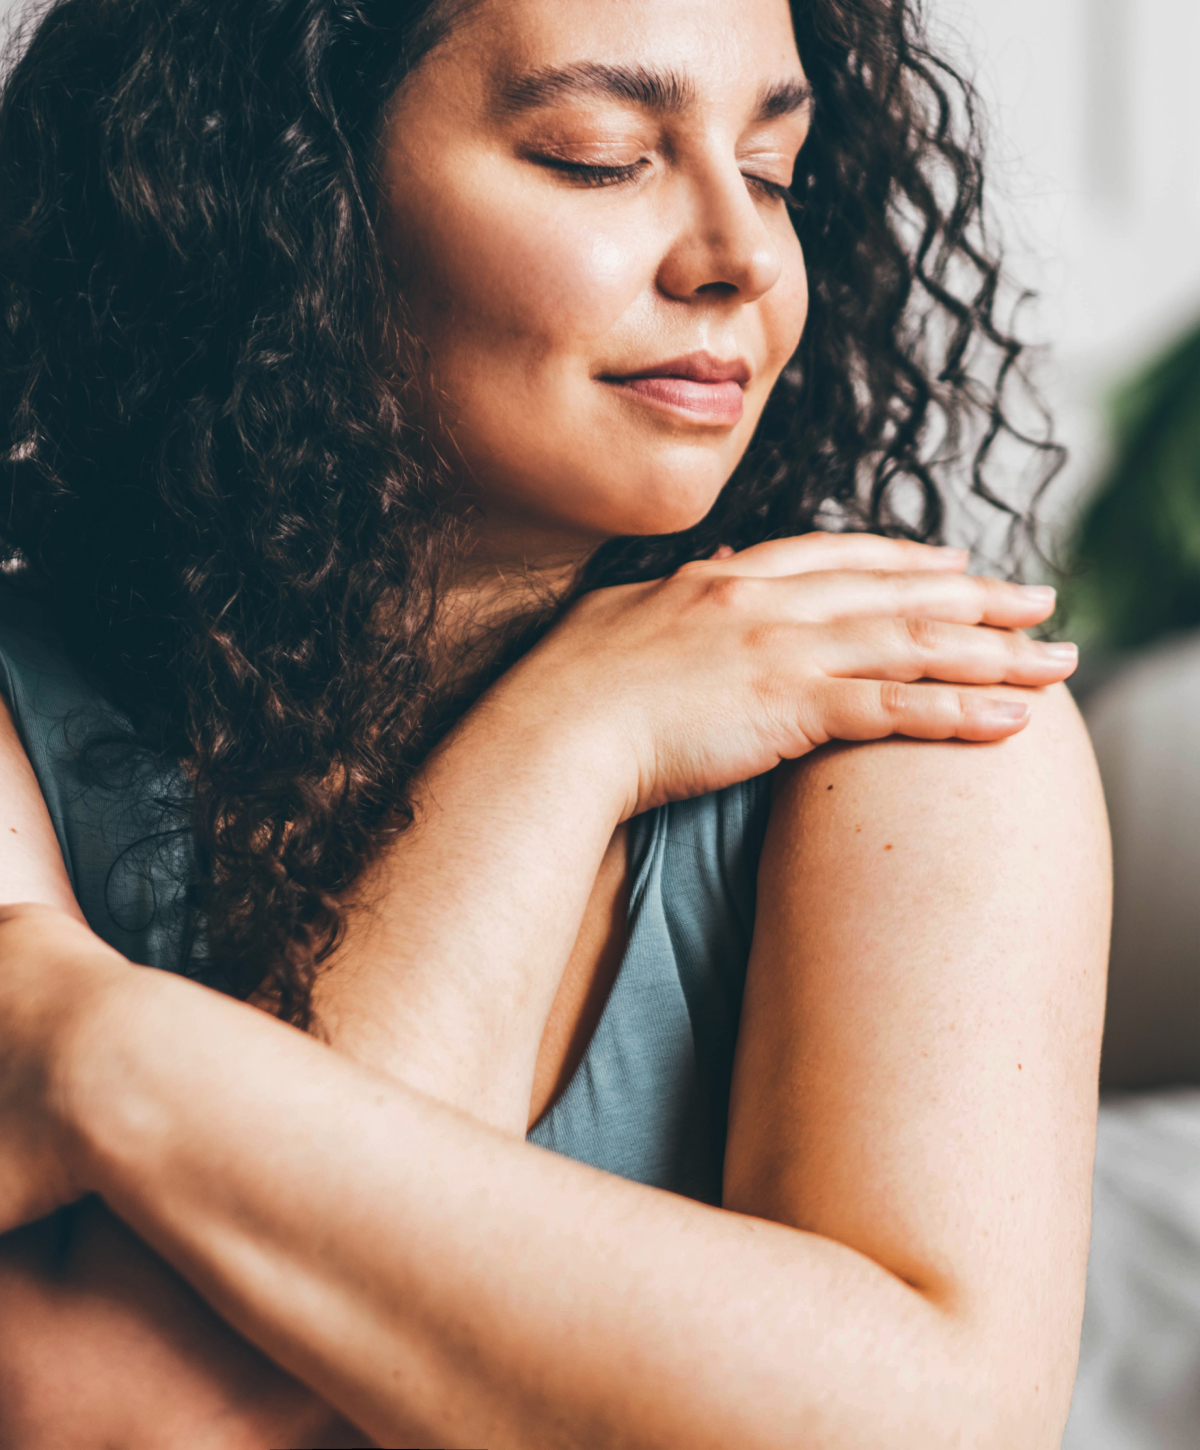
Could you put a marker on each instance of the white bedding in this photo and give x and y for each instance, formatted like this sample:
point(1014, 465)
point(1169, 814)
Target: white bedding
point(1139, 1370)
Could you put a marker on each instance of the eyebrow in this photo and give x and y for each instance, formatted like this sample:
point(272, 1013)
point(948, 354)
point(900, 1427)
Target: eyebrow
point(665, 91)
point(784, 98)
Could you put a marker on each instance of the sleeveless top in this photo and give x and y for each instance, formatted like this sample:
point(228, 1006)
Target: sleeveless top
point(649, 1099)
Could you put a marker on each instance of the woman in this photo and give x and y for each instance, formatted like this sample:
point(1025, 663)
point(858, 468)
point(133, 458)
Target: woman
point(347, 344)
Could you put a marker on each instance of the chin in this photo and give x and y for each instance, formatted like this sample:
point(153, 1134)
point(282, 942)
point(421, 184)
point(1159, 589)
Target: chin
point(666, 511)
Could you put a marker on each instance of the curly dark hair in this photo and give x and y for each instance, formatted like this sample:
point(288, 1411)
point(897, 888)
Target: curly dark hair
point(210, 479)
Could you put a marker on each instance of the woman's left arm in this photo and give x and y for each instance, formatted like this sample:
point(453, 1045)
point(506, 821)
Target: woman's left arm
point(917, 1066)
point(442, 1283)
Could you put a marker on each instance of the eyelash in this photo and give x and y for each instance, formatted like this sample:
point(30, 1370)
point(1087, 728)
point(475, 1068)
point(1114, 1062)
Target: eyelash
point(594, 175)
point(613, 176)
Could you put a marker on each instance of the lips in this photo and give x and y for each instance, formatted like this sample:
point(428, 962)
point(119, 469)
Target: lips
point(704, 388)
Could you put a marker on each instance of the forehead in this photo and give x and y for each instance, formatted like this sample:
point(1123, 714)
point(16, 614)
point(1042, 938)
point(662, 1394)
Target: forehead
point(713, 48)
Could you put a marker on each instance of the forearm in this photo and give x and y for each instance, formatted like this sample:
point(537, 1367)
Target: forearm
point(442, 1284)
point(145, 1356)
point(458, 933)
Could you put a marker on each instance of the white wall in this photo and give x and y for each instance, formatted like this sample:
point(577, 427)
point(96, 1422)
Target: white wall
point(1096, 135)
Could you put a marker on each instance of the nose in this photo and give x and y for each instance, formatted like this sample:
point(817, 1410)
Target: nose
point(723, 246)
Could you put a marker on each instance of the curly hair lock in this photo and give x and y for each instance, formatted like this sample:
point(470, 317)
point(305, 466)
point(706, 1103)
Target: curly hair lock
point(207, 472)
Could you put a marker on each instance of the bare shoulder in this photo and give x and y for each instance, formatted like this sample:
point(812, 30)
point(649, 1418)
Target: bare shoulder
point(31, 863)
point(932, 800)
point(951, 895)
point(918, 1053)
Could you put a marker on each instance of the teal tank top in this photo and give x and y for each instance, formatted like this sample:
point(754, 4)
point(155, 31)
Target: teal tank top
point(650, 1098)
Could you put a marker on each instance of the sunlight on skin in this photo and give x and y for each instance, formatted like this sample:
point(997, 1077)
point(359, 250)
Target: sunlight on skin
point(529, 285)
point(583, 203)
point(535, 281)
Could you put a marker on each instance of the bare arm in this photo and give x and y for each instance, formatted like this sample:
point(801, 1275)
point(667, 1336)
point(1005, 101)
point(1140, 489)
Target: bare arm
point(918, 1058)
point(449, 987)
point(645, 694)
point(453, 996)
point(100, 1341)
point(31, 864)
point(460, 929)
point(937, 1224)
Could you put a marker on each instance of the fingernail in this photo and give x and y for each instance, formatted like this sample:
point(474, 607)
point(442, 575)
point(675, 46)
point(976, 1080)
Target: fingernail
point(1001, 712)
point(1061, 651)
point(1041, 594)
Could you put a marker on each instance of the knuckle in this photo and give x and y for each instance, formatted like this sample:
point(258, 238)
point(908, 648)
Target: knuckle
point(923, 635)
point(730, 593)
point(895, 698)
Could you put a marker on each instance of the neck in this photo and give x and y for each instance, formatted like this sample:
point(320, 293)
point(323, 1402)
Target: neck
point(488, 601)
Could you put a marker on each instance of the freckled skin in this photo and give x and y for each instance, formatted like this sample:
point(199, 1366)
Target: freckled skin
point(527, 284)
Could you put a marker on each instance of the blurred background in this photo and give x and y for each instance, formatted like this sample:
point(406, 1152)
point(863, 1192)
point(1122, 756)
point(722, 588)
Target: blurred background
point(1092, 108)
point(1093, 112)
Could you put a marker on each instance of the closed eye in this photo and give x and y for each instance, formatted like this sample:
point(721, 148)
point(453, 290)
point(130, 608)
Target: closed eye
point(772, 190)
point(587, 174)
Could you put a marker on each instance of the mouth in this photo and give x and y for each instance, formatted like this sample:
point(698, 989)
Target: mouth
point(701, 387)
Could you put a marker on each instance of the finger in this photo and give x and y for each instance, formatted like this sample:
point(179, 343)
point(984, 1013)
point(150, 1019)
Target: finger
point(923, 594)
point(873, 710)
point(807, 553)
point(923, 649)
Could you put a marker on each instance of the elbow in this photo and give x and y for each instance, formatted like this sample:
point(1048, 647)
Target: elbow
point(1013, 1384)
point(1037, 1423)
point(1031, 1412)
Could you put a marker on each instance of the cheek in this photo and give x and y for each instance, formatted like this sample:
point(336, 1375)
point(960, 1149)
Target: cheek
point(785, 307)
point(493, 274)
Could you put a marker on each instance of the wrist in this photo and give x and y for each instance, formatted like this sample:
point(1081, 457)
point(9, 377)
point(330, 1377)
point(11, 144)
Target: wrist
point(89, 1057)
point(56, 974)
point(446, 978)
point(568, 728)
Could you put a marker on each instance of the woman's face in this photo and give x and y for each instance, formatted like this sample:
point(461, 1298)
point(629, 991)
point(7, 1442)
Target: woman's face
point(585, 201)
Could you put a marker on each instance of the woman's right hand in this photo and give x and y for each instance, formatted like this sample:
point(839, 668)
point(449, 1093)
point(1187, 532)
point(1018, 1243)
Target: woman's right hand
point(449, 971)
point(730, 665)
